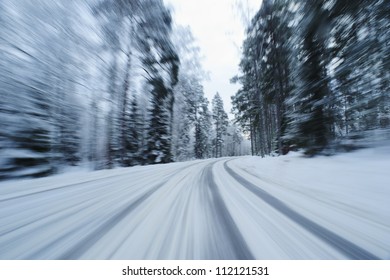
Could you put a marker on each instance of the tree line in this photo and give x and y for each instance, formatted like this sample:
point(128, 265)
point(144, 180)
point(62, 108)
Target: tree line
point(102, 83)
point(315, 75)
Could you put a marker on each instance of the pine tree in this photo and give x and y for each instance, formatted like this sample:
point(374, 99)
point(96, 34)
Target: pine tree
point(134, 128)
point(181, 134)
point(159, 138)
point(189, 93)
point(161, 64)
point(220, 119)
point(260, 105)
point(203, 129)
point(312, 125)
point(313, 74)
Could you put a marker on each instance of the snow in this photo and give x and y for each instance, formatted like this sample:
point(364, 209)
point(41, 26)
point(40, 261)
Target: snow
point(349, 194)
point(200, 210)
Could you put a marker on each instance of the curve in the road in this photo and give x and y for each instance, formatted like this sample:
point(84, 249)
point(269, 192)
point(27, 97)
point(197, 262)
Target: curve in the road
point(344, 246)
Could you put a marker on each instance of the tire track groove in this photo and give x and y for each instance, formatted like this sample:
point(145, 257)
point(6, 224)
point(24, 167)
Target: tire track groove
point(237, 241)
point(346, 247)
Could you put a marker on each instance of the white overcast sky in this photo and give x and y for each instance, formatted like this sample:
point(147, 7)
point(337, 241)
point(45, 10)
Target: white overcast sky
point(219, 30)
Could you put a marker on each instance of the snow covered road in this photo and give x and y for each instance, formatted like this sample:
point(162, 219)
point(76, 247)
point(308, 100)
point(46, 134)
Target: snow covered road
point(240, 208)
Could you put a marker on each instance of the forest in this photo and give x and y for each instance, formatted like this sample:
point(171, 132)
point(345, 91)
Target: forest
point(102, 84)
point(315, 76)
point(115, 83)
point(113, 144)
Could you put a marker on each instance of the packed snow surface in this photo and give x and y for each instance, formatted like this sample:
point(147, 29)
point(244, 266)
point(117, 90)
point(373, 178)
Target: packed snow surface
point(287, 207)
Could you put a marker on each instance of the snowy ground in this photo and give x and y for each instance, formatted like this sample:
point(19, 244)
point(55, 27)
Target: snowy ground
point(233, 208)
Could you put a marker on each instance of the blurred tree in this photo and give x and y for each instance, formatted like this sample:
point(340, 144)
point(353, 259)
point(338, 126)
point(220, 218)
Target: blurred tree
point(161, 65)
point(260, 106)
point(220, 119)
point(203, 130)
point(313, 73)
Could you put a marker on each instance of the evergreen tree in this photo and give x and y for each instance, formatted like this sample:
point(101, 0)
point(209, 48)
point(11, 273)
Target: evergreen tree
point(161, 64)
point(188, 130)
point(313, 73)
point(314, 120)
point(133, 130)
point(203, 129)
point(220, 119)
point(159, 138)
point(260, 106)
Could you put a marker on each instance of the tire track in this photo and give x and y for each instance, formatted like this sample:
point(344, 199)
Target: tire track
point(79, 248)
point(346, 247)
point(222, 216)
point(71, 241)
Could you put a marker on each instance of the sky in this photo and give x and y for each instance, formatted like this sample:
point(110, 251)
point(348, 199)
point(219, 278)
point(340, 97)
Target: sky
point(219, 29)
